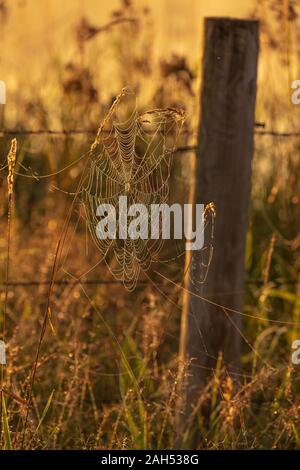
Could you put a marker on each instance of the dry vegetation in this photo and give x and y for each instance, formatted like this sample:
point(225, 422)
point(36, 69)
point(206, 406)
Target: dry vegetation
point(107, 366)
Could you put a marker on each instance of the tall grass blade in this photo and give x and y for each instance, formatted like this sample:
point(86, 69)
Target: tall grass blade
point(7, 439)
point(45, 411)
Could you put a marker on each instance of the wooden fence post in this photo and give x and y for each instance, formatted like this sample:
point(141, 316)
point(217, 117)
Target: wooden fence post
point(223, 176)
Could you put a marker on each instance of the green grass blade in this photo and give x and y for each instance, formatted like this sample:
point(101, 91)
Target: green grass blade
point(45, 411)
point(6, 430)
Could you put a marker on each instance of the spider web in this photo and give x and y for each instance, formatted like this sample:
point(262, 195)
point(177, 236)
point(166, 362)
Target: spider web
point(132, 156)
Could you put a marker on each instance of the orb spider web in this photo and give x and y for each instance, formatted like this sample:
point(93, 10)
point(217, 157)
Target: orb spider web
point(132, 156)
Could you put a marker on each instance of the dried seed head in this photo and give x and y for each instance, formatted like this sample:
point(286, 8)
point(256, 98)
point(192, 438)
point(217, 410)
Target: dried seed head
point(11, 161)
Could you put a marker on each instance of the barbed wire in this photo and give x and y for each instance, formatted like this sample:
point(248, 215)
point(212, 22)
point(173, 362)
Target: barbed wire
point(68, 132)
point(67, 282)
point(181, 149)
point(277, 134)
point(63, 282)
point(14, 132)
point(46, 131)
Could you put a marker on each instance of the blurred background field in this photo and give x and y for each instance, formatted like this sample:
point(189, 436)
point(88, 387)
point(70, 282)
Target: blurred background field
point(107, 372)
